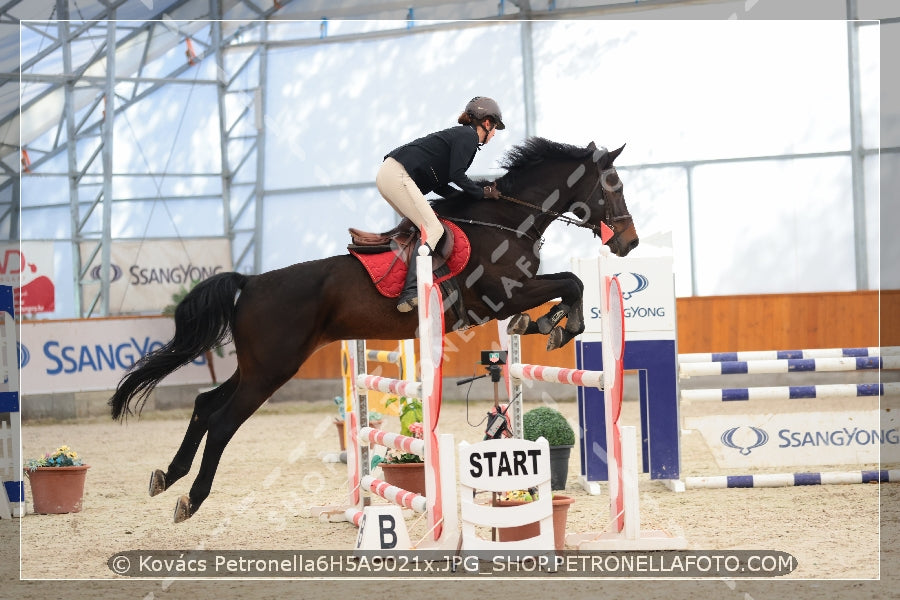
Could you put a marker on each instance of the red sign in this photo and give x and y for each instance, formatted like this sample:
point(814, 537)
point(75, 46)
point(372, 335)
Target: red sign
point(29, 271)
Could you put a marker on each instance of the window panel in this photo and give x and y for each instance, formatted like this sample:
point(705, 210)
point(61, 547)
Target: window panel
point(689, 90)
point(774, 227)
point(312, 225)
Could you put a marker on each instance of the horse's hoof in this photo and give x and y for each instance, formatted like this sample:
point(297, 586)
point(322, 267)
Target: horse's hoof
point(556, 339)
point(518, 324)
point(183, 509)
point(157, 482)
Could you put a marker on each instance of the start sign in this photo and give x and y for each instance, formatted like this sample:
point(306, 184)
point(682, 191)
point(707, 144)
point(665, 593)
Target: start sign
point(504, 464)
point(514, 462)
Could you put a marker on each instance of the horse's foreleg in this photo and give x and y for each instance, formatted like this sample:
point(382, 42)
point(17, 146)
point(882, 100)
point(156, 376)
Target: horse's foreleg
point(560, 336)
point(204, 405)
point(544, 288)
point(523, 324)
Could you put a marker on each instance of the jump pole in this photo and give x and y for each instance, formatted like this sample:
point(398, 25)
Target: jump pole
point(792, 479)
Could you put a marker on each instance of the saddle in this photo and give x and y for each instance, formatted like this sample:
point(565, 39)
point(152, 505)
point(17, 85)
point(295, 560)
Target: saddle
point(366, 242)
point(386, 256)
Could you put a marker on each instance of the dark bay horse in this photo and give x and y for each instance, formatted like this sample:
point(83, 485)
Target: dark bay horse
point(279, 318)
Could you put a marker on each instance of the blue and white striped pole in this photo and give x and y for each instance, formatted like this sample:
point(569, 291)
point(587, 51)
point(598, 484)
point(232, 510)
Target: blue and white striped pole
point(791, 479)
point(792, 365)
point(787, 354)
point(794, 392)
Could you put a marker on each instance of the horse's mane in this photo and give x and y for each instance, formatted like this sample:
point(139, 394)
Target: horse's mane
point(536, 150)
point(520, 159)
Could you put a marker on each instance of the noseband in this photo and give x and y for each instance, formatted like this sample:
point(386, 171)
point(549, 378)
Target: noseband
point(609, 220)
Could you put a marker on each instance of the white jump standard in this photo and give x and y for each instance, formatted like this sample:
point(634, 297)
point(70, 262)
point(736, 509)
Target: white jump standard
point(621, 452)
point(438, 453)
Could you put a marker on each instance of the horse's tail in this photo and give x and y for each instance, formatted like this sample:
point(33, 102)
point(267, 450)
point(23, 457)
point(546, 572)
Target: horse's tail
point(203, 320)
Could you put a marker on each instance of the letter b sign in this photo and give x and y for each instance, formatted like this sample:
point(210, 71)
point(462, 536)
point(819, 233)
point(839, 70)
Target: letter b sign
point(382, 528)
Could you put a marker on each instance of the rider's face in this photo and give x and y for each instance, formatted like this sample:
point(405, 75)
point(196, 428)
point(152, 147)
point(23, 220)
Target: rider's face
point(489, 130)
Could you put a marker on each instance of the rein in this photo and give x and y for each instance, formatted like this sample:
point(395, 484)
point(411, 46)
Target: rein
point(597, 230)
point(553, 213)
point(494, 225)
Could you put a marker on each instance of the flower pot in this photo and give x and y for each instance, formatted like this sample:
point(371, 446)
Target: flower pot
point(559, 466)
point(340, 429)
point(523, 532)
point(57, 490)
point(407, 476)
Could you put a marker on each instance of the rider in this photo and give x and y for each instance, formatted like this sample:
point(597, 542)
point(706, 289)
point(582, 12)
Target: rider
point(431, 163)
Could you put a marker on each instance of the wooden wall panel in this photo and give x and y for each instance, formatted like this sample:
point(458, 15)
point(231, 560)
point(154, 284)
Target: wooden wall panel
point(705, 324)
point(780, 321)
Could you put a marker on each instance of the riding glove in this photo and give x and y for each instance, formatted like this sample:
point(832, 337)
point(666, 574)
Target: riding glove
point(491, 191)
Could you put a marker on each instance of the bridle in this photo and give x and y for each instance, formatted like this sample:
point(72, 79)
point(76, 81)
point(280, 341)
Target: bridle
point(609, 222)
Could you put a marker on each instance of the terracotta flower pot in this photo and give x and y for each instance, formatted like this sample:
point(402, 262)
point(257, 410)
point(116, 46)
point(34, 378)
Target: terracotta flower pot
point(407, 476)
point(57, 490)
point(341, 435)
point(522, 532)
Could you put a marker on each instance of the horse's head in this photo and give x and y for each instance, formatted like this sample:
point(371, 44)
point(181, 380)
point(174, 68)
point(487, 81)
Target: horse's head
point(606, 200)
point(554, 178)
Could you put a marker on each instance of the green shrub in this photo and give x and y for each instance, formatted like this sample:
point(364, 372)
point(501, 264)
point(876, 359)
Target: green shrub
point(549, 423)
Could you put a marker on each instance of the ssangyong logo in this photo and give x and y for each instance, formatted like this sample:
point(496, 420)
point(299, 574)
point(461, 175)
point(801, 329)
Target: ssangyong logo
point(115, 273)
point(24, 354)
point(632, 283)
point(756, 436)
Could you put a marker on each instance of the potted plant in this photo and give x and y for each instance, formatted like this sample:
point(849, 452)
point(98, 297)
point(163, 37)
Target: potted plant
point(57, 481)
point(405, 470)
point(523, 532)
point(550, 424)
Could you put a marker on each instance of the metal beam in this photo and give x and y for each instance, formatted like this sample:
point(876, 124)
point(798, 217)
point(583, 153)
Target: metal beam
point(527, 67)
point(260, 189)
point(100, 81)
point(857, 162)
point(138, 97)
point(107, 159)
point(215, 10)
point(62, 11)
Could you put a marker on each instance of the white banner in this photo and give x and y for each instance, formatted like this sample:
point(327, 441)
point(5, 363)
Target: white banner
point(798, 439)
point(28, 269)
point(93, 354)
point(145, 275)
point(648, 294)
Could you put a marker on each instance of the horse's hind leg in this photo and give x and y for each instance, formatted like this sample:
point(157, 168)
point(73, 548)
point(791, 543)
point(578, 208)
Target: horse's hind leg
point(204, 405)
point(223, 423)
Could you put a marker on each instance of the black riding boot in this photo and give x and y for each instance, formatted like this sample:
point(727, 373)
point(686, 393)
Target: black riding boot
point(409, 297)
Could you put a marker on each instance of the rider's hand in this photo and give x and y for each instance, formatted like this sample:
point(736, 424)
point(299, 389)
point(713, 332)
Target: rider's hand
point(491, 191)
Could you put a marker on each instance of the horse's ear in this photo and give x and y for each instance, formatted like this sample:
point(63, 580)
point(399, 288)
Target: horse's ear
point(615, 153)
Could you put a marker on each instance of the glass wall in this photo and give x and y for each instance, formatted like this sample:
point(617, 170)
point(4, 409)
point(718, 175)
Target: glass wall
point(692, 101)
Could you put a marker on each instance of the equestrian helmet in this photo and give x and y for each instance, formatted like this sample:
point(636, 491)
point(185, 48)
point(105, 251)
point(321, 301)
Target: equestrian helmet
point(481, 107)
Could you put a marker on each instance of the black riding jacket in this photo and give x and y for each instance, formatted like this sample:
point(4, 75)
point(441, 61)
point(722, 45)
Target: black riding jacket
point(439, 158)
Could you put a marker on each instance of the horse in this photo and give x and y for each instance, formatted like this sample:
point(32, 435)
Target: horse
point(279, 318)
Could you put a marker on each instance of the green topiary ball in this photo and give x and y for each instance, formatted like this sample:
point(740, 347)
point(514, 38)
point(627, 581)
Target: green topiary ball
point(549, 423)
